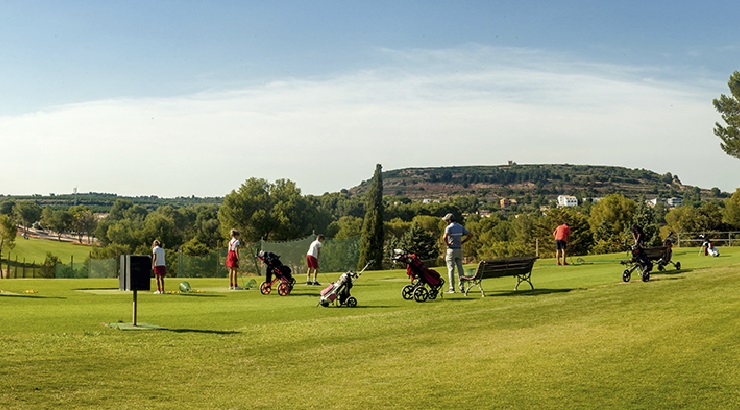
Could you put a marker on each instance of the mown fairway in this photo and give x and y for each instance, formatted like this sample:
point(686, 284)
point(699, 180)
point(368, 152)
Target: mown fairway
point(34, 250)
point(582, 339)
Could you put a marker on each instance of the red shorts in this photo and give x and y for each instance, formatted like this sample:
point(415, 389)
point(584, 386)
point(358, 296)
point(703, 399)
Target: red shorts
point(232, 261)
point(160, 270)
point(312, 262)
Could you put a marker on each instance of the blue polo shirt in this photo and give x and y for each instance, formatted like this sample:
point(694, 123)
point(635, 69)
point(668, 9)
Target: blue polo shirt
point(455, 232)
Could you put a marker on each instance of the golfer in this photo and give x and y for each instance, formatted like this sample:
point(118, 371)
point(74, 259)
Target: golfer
point(561, 234)
point(455, 236)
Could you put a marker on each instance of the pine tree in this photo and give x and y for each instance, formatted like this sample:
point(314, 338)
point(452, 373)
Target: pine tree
point(420, 242)
point(729, 107)
point(371, 243)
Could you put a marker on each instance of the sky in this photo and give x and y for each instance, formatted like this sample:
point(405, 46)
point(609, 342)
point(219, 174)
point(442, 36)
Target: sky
point(180, 97)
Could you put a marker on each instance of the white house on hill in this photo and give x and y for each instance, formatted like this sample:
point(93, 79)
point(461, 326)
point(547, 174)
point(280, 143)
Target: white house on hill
point(567, 201)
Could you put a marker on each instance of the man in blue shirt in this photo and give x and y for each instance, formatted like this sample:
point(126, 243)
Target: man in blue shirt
point(455, 235)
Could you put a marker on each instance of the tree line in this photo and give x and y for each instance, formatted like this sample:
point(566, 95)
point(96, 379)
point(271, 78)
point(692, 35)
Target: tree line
point(275, 211)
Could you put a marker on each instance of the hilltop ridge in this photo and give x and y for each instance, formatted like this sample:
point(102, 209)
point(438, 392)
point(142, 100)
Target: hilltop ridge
point(548, 180)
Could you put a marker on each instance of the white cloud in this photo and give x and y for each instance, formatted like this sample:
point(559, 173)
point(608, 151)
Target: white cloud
point(427, 108)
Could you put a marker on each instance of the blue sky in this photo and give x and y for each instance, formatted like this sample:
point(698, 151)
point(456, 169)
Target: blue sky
point(179, 98)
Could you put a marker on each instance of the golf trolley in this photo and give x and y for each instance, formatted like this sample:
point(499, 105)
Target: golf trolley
point(639, 261)
point(425, 284)
point(282, 274)
point(664, 254)
point(339, 291)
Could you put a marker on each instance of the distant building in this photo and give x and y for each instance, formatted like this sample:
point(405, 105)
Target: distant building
point(652, 202)
point(484, 213)
point(507, 203)
point(567, 201)
point(674, 202)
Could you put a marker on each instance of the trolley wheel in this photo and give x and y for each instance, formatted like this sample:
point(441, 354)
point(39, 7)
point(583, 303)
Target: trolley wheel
point(661, 267)
point(421, 295)
point(678, 265)
point(351, 301)
point(265, 288)
point(626, 275)
point(433, 293)
point(646, 277)
point(283, 289)
point(408, 292)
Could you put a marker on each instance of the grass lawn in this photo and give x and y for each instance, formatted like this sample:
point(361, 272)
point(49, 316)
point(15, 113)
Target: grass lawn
point(34, 249)
point(583, 339)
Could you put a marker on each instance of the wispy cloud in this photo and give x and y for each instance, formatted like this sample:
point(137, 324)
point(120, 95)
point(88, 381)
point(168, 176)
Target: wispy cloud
point(472, 105)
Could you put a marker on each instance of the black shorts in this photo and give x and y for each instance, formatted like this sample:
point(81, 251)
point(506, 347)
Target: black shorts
point(560, 245)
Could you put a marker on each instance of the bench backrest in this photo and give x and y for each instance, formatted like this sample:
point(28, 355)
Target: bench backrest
point(496, 268)
point(656, 252)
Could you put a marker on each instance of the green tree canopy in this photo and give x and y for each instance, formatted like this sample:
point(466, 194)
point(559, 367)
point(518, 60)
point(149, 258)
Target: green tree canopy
point(27, 212)
point(260, 210)
point(609, 221)
point(8, 232)
point(729, 109)
point(731, 214)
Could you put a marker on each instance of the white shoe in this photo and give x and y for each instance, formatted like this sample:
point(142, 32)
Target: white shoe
point(451, 291)
point(159, 292)
point(237, 288)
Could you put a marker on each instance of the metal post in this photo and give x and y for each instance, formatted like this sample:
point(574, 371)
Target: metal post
point(134, 317)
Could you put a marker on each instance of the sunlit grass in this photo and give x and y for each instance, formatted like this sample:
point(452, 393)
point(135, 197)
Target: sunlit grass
point(581, 339)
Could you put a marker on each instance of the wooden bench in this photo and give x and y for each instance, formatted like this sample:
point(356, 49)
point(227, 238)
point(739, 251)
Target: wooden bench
point(521, 267)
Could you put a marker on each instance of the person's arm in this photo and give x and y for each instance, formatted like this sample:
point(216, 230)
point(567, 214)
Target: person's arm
point(466, 238)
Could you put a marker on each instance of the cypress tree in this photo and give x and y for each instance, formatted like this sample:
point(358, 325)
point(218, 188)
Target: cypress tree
point(371, 242)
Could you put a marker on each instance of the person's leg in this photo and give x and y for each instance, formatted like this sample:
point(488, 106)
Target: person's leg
point(450, 269)
point(563, 251)
point(160, 283)
point(232, 277)
point(459, 264)
point(309, 265)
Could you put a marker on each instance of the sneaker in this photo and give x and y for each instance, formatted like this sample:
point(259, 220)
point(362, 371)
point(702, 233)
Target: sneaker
point(309, 283)
point(451, 291)
point(316, 284)
point(231, 288)
point(237, 288)
point(159, 292)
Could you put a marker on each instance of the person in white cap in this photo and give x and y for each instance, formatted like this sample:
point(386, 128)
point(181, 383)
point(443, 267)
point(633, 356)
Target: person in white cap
point(455, 235)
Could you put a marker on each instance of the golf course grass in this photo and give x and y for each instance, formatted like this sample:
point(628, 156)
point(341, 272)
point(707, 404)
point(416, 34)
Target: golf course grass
point(583, 339)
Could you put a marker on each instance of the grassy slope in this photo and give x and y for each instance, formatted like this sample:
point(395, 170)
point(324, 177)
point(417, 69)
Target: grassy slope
point(35, 250)
point(582, 339)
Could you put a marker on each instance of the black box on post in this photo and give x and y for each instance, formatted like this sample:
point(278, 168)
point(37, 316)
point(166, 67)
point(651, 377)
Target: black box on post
point(134, 272)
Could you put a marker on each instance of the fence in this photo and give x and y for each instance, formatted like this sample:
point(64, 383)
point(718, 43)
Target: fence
point(336, 256)
point(717, 238)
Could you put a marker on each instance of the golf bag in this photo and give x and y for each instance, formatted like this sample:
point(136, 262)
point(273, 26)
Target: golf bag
point(425, 282)
point(282, 274)
point(339, 291)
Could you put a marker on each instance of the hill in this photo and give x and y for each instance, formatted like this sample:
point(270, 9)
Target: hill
point(543, 180)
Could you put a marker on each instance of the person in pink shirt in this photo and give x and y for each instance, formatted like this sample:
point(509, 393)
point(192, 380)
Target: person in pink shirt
point(561, 234)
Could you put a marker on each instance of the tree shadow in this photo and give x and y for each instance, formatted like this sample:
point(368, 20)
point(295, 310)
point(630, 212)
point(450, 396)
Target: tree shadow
point(210, 332)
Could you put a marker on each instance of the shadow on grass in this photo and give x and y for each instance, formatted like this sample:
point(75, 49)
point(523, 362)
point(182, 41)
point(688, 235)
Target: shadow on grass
point(209, 332)
point(359, 307)
point(16, 295)
point(199, 295)
point(529, 292)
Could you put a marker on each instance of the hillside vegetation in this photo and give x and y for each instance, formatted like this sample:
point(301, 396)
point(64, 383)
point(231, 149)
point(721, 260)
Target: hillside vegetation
point(546, 180)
